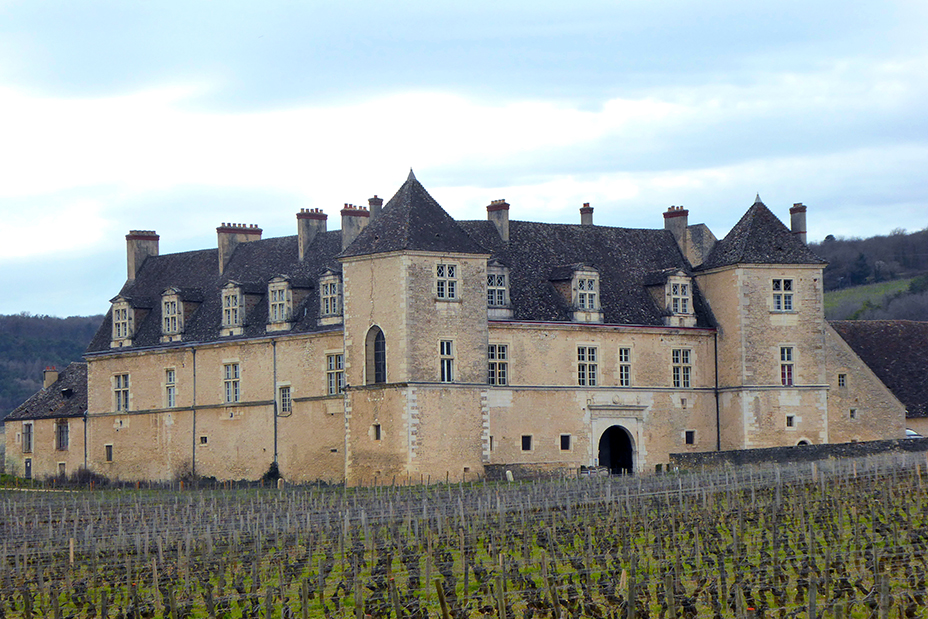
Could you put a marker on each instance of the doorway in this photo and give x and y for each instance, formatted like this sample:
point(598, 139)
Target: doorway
point(616, 452)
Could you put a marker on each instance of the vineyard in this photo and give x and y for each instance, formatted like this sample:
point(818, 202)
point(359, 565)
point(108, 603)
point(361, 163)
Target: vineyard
point(837, 539)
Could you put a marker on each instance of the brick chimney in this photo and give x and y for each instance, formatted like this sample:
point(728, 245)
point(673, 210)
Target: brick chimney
point(230, 235)
point(49, 376)
point(140, 244)
point(309, 223)
point(354, 219)
point(375, 204)
point(676, 220)
point(498, 213)
point(797, 220)
point(586, 214)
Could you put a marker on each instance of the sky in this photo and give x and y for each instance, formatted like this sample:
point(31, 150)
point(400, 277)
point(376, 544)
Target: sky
point(177, 116)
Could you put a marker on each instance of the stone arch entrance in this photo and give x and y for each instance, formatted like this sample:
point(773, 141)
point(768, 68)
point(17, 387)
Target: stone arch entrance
point(616, 451)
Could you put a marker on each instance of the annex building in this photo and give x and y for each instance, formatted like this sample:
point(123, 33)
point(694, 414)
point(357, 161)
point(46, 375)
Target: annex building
point(409, 345)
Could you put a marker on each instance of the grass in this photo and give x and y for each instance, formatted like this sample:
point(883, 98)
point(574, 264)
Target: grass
point(858, 296)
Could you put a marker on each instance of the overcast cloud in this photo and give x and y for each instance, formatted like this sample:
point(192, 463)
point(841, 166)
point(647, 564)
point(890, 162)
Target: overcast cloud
point(178, 116)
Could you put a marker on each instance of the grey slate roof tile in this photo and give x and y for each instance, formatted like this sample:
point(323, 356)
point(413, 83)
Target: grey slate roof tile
point(759, 238)
point(66, 397)
point(897, 352)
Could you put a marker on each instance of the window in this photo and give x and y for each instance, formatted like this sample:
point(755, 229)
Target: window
point(491, 442)
point(853, 413)
point(122, 321)
point(496, 290)
point(842, 380)
point(625, 368)
point(376, 356)
point(446, 280)
point(204, 440)
point(27, 437)
point(279, 301)
point(689, 437)
point(680, 298)
point(108, 453)
point(329, 298)
point(786, 365)
point(284, 400)
point(61, 435)
point(565, 442)
point(170, 388)
point(587, 298)
point(586, 366)
point(375, 430)
point(790, 421)
point(526, 442)
point(681, 368)
point(170, 315)
point(446, 354)
point(335, 373)
point(498, 364)
point(231, 307)
point(121, 392)
point(231, 376)
point(782, 295)
point(62, 469)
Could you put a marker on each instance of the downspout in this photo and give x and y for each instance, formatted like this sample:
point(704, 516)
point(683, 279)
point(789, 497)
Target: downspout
point(85, 440)
point(718, 416)
point(274, 393)
point(193, 445)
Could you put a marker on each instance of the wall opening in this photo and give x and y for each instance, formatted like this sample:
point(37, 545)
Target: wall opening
point(616, 452)
point(376, 356)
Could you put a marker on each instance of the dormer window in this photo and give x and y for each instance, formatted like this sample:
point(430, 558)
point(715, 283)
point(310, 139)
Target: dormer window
point(680, 298)
point(330, 298)
point(585, 295)
point(172, 315)
point(233, 310)
point(677, 299)
point(279, 304)
point(123, 323)
point(498, 304)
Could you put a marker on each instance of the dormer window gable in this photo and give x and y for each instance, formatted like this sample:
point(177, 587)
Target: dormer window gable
point(172, 315)
point(233, 309)
point(580, 285)
point(123, 318)
point(330, 298)
point(672, 290)
point(280, 304)
point(498, 301)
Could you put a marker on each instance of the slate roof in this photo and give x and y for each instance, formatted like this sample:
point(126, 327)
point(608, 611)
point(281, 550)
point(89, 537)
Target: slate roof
point(412, 220)
point(897, 352)
point(759, 238)
point(66, 397)
point(251, 267)
point(539, 253)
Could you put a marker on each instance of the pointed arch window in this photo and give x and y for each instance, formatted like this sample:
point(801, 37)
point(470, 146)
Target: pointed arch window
point(376, 353)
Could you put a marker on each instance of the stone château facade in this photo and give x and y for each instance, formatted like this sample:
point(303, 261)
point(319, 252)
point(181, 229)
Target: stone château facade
point(412, 346)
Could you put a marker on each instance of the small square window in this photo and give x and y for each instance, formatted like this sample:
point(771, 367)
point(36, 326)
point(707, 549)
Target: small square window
point(842, 380)
point(203, 440)
point(690, 437)
point(790, 421)
point(853, 413)
point(565, 442)
point(526, 442)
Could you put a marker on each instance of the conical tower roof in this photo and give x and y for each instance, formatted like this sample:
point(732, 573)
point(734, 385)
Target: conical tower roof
point(412, 221)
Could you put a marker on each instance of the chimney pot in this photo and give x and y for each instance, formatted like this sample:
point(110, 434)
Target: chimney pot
point(797, 220)
point(586, 214)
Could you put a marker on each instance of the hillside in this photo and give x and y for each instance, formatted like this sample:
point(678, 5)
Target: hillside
point(30, 343)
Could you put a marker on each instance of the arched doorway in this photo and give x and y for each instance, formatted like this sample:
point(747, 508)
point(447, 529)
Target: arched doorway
point(616, 452)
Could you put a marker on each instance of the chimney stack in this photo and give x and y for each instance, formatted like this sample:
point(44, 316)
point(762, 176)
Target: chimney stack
point(309, 223)
point(676, 220)
point(49, 376)
point(230, 235)
point(140, 244)
point(498, 213)
point(586, 214)
point(354, 219)
point(375, 205)
point(797, 220)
